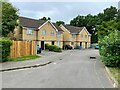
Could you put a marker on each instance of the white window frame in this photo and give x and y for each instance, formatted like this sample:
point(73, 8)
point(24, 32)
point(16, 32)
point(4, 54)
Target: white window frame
point(58, 34)
point(52, 33)
point(85, 36)
point(43, 32)
point(73, 35)
point(58, 43)
point(81, 35)
point(30, 31)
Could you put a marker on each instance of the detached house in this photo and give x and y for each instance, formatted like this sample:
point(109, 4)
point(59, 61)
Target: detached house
point(76, 36)
point(41, 31)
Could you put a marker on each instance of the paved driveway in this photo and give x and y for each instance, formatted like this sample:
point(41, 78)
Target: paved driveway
point(73, 70)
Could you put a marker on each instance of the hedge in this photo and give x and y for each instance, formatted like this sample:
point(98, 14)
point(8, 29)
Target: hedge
point(110, 49)
point(5, 47)
point(53, 48)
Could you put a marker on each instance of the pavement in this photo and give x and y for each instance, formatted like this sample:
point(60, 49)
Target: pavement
point(46, 57)
point(70, 69)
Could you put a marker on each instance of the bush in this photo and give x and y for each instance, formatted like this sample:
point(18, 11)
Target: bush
point(47, 46)
point(57, 49)
point(53, 48)
point(5, 46)
point(110, 49)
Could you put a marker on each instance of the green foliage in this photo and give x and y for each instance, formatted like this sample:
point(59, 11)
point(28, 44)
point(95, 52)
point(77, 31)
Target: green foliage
point(9, 18)
point(32, 57)
point(5, 45)
point(110, 49)
point(53, 48)
point(45, 18)
point(60, 22)
point(47, 46)
point(92, 21)
point(106, 28)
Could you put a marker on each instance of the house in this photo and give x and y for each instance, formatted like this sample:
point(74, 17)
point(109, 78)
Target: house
point(40, 31)
point(76, 36)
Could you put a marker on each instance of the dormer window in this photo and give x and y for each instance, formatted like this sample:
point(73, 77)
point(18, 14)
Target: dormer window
point(30, 31)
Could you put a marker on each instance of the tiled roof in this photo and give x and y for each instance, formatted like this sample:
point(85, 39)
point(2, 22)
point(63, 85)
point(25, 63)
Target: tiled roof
point(73, 29)
point(58, 28)
point(33, 23)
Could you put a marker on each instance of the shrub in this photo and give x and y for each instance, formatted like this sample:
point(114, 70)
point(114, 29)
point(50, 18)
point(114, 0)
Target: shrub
point(57, 49)
point(5, 46)
point(53, 48)
point(110, 49)
point(47, 46)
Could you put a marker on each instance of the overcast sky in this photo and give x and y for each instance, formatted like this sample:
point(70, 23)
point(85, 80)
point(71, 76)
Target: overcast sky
point(65, 11)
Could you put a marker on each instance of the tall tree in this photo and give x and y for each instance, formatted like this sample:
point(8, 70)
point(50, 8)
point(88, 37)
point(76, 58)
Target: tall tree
point(91, 21)
point(9, 18)
point(60, 22)
point(45, 18)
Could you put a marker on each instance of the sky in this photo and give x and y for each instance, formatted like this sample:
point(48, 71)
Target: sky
point(64, 11)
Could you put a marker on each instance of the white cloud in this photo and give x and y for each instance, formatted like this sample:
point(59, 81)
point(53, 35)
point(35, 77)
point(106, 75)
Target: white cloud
point(60, 10)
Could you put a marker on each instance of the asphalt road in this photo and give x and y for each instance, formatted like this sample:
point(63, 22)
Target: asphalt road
point(73, 70)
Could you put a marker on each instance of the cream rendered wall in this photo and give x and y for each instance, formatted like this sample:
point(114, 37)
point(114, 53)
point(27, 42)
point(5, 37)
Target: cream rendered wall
point(48, 27)
point(66, 34)
point(47, 38)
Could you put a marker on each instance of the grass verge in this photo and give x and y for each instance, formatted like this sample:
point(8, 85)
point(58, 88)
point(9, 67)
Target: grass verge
point(23, 58)
point(115, 72)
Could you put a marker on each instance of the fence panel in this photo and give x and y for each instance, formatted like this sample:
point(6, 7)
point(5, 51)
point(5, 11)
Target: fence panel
point(22, 48)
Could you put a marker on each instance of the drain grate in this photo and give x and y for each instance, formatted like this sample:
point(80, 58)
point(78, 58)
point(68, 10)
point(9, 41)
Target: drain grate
point(92, 57)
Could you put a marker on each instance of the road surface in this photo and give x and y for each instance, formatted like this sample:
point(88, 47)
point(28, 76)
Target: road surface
point(73, 70)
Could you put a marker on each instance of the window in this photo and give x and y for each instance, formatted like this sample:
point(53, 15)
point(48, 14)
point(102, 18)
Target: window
point(72, 43)
point(43, 32)
point(58, 43)
point(81, 35)
point(73, 35)
point(58, 34)
point(30, 30)
point(52, 33)
point(85, 36)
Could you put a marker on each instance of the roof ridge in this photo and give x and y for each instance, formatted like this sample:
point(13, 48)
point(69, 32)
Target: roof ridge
point(31, 18)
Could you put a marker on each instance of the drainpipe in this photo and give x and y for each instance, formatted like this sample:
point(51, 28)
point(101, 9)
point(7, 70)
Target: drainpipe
point(36, 40)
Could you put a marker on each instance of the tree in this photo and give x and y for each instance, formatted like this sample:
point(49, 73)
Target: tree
point(45, 18)
point(92, 21)
point(9, 18)
point(60, 22)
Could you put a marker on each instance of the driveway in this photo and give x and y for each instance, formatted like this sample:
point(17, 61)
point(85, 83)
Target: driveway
point(73, 70)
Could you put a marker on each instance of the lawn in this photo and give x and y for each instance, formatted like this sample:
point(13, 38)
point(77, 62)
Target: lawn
point(32, 57)
point(116, 73)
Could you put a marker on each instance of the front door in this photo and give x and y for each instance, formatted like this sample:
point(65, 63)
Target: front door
point(85, 44)
point(53, 42)
point(42, 45)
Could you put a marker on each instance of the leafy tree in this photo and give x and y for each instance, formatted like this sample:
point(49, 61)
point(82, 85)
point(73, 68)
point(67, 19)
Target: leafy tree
point(106, 28)
point(49, 18)
point(60, 22)
point(45, 18)
point(92, 21)
point(110, 13)
point(110, 49)
point(9, 18)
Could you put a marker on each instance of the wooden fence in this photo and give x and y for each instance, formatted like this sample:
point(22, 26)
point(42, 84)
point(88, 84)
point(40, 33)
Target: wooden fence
point(22, 48)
